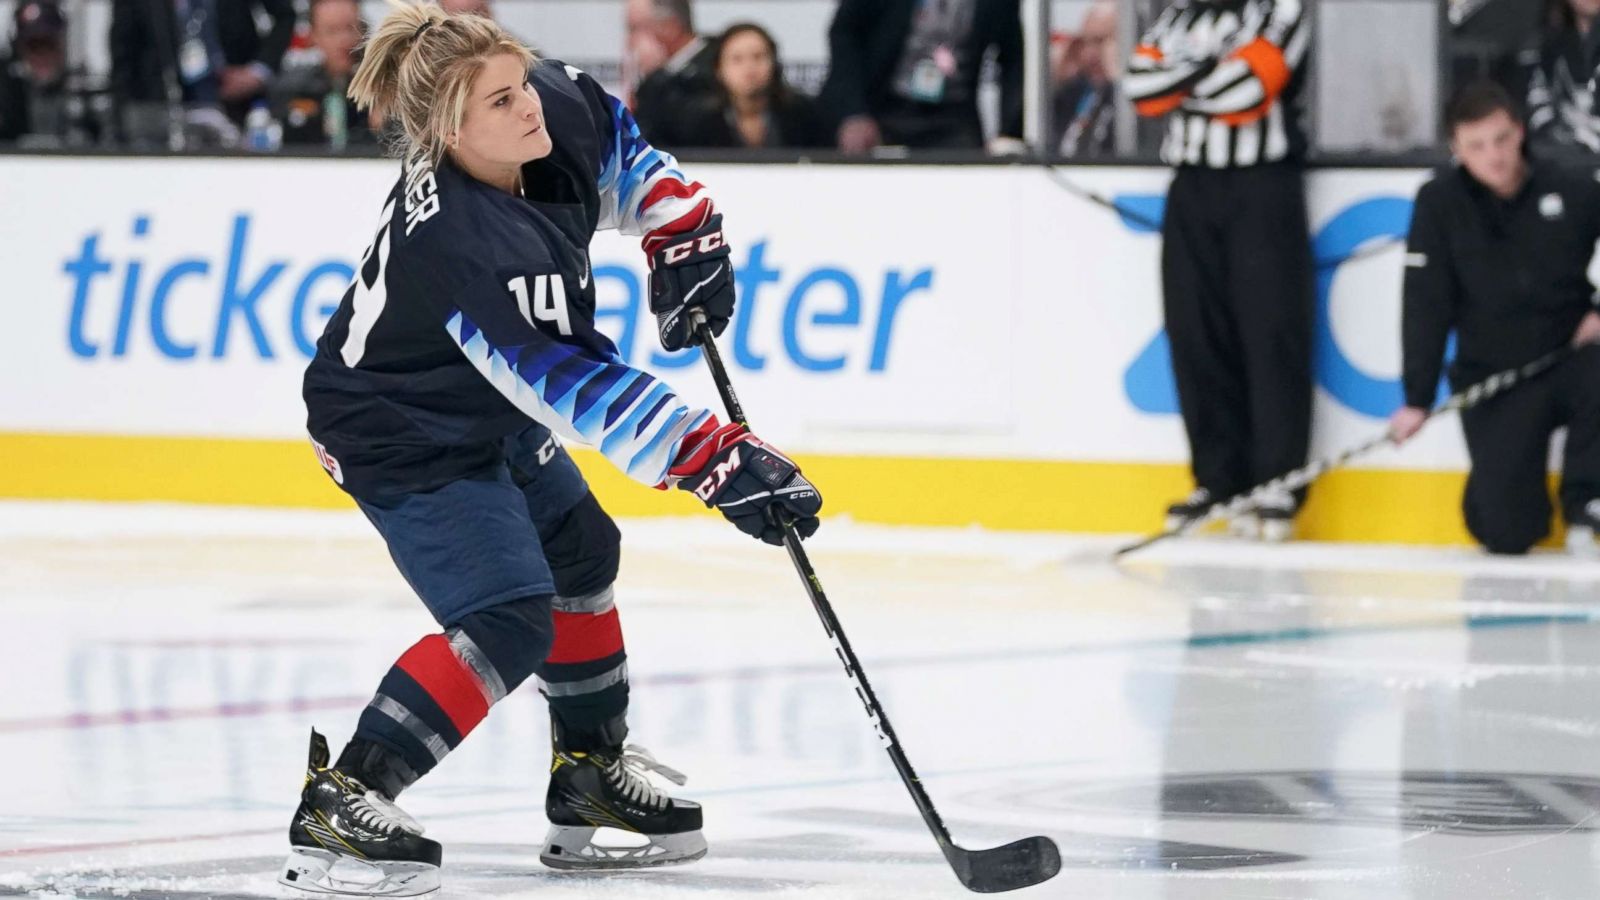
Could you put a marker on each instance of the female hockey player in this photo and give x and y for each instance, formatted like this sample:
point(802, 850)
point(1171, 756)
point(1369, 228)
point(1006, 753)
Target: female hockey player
point(463, 350)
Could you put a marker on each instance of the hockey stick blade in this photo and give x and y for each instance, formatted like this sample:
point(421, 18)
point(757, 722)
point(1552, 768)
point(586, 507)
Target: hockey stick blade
point(1019, 864)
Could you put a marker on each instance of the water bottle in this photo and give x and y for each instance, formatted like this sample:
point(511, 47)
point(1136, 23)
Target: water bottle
point(262, 133)
point(335, 122)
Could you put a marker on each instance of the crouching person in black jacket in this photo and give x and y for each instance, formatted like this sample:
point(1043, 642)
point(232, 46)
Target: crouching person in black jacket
point(1499, 252)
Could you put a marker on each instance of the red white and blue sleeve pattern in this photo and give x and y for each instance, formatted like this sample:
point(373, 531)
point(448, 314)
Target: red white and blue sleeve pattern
point(642, 190)
point(569, 377)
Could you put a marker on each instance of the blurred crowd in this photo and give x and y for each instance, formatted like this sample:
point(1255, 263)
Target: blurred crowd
point(1556, 79)
point(262, 74)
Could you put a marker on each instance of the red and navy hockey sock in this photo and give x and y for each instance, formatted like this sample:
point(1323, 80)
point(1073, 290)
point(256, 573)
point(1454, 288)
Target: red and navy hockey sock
point(585, 675)
point(441, 688)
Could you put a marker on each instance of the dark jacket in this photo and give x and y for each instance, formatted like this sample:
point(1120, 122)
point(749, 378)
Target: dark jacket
point(144, 41)
point(300, 99)
point(664, 96)
point(50, 114)
point(867, 38)
point(1510, 277)
point(797, 122)
point(14, 97)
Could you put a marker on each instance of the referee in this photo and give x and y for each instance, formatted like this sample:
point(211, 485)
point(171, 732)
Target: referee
point(1499, 252)
point(1235, 255)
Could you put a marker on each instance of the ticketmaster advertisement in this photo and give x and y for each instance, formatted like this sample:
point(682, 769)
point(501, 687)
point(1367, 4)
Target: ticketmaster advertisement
point(980, 313)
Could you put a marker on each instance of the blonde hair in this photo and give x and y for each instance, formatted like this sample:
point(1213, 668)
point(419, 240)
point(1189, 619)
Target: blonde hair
point(417, 69)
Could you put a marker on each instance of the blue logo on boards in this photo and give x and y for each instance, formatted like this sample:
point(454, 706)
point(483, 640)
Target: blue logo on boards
point(1148, 380)
point(821, 309)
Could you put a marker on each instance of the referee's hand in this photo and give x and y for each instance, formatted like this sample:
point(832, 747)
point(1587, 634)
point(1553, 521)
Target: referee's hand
point(1406, 422)
point(1588, 330)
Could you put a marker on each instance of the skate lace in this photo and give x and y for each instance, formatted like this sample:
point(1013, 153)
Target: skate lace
point(630, 772)
point(372, 811)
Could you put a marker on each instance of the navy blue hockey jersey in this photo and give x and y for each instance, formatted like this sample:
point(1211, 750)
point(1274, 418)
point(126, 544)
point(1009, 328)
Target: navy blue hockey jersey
point(472, 312)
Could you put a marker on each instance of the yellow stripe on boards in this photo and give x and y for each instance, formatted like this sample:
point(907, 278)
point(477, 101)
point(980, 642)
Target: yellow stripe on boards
point(1348, 505)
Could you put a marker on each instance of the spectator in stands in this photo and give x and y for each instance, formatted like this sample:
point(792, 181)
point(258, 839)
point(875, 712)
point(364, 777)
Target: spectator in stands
point(905, 72)
point(1083, 70)
point(34, 100)
point(1235, 250)
point(309, 98)
point(675, 66)
point(753, 106)
point(1561, 109)
point(470, 7)
point(1499, 253)
point(205, 54)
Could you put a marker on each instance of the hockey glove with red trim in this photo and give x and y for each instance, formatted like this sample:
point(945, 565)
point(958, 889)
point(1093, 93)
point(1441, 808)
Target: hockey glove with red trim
point(748, 481)
point(687, 271)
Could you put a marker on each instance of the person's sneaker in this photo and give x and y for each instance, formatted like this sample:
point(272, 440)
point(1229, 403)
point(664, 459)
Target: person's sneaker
point(1583, 531)
point(608, 793)
point(1276, 514)
point(349, 840)
point(1188, 509)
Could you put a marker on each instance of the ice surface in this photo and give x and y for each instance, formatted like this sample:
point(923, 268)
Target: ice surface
point(1211, 720)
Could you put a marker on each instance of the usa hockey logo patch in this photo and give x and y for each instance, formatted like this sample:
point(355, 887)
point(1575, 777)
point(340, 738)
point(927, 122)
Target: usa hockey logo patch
point(328, 461)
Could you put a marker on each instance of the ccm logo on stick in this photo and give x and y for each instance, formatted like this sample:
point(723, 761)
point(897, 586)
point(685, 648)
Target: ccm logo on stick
point(705, 244)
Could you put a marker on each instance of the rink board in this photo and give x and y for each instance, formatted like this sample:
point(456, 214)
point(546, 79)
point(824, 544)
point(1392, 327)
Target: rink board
point(1413, 507)
point(939, 345)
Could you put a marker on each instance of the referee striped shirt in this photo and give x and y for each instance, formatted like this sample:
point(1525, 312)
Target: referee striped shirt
point(1228, 74)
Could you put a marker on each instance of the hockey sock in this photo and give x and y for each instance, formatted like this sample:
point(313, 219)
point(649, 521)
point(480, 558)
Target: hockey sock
point(585, 675)
point(441, 688)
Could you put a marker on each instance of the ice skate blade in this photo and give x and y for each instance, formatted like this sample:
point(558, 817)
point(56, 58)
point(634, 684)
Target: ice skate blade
point(1174, 522)
point(573, 847)
point(1277, 531)
point(1246, 527)
point(1581, 542)
point(309, 871)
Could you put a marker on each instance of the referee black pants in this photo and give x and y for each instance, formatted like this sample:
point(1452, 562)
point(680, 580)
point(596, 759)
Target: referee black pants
point(1238, 296)
point(1507, 501)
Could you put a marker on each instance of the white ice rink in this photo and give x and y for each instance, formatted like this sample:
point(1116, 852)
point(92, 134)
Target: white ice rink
point(1214, 720)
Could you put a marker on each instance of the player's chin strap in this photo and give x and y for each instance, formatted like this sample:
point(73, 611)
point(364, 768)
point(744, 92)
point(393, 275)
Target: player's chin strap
point(1016, 865)
point(1239, 504)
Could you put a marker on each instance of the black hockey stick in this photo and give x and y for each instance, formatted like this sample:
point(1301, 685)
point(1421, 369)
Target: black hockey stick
point(1372, 248)
point(1016, 865)
point(1299, 478)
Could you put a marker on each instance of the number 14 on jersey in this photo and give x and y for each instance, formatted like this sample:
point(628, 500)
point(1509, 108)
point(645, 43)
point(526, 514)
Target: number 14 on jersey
point(547, 303)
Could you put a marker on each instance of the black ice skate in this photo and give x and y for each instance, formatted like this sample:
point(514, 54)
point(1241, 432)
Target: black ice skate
point(610, 789)
point(1275, 517)
point(1188, 509)
point(1584, 530)
point(349, 840)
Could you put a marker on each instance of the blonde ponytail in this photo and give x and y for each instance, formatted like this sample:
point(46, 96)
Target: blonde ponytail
point(418, 66)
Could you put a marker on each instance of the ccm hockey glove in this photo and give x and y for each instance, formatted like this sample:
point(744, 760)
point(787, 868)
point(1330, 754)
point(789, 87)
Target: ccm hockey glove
point(691, 270)
point(748, 481)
